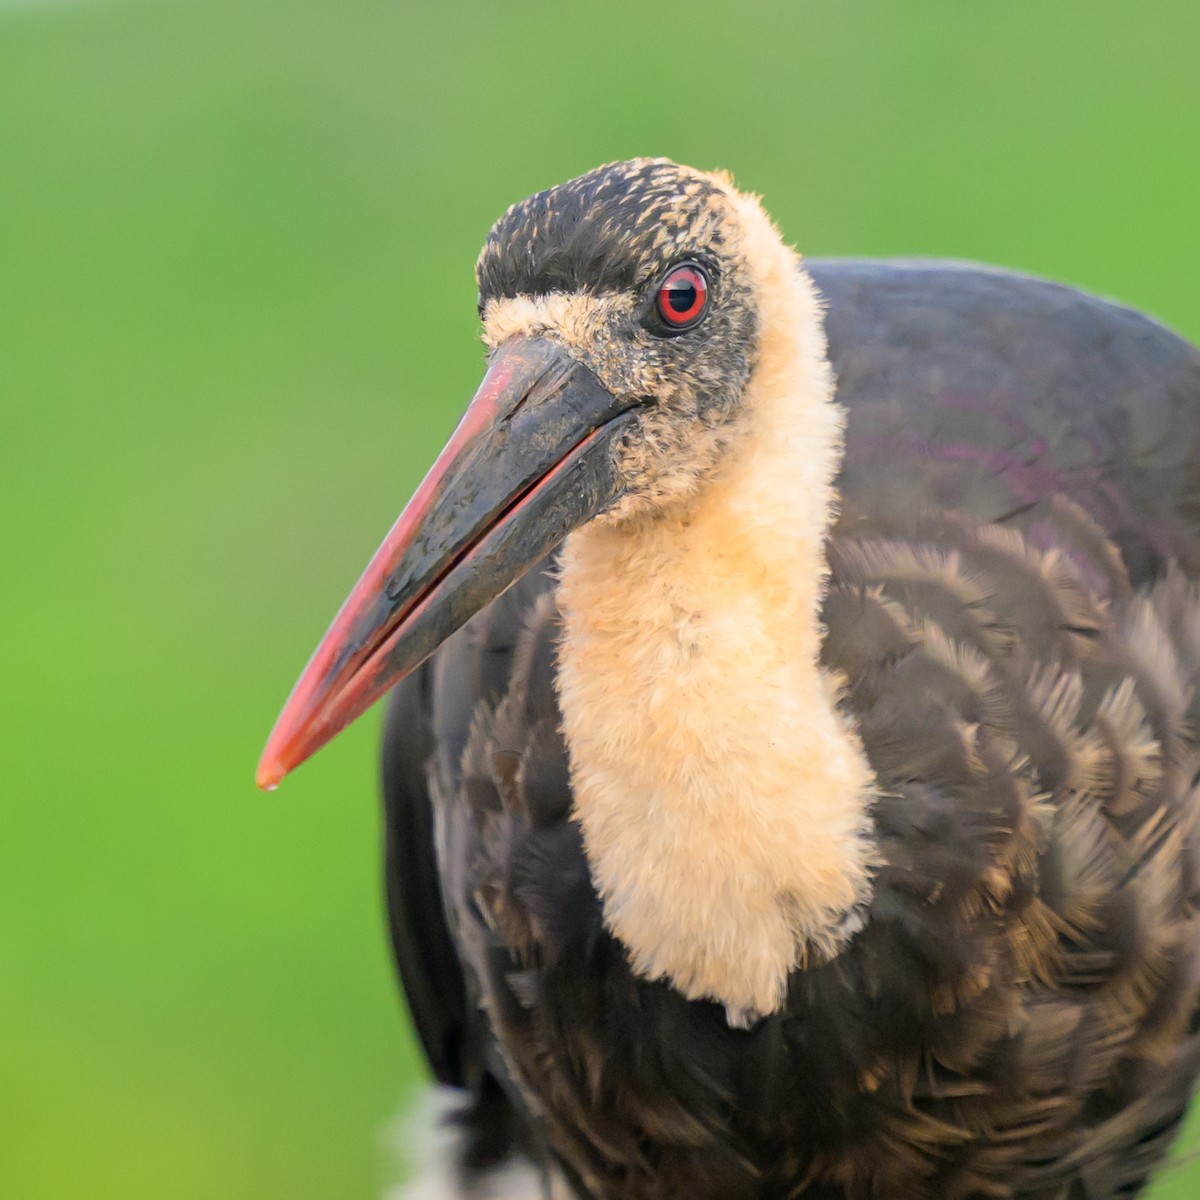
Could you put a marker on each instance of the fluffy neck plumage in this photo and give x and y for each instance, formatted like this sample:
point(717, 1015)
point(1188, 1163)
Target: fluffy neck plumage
point(723, 798)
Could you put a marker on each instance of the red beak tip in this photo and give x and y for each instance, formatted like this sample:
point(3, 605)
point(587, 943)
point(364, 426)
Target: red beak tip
point(270, 772)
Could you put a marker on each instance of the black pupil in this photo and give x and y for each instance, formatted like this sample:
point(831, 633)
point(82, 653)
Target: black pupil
point(681, 294)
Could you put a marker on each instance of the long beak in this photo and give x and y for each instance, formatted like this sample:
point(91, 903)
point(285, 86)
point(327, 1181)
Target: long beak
point(529, 462)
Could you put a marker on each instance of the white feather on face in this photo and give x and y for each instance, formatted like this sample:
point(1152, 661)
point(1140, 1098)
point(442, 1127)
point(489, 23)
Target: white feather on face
point(722, 796)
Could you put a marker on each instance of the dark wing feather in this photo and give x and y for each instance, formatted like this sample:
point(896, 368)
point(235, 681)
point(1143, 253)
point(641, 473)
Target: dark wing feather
point(991, 393)
point(425, 954)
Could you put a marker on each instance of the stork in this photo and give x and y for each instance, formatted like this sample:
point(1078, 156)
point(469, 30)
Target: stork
point(803, 799)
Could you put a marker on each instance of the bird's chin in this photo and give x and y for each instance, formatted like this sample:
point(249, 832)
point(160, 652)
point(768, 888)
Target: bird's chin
point(665, 461)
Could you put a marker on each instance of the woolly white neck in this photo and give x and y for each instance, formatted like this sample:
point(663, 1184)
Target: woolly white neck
point(722, 796)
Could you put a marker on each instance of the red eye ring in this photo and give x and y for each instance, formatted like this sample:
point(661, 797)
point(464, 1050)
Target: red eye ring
point(683, 296)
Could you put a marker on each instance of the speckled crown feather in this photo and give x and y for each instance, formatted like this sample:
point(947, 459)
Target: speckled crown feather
point(605, 231)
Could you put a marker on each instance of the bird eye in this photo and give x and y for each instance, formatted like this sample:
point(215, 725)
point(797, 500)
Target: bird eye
point(683, 297)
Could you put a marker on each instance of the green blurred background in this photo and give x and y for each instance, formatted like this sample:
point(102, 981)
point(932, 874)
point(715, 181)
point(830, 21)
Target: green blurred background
point(237, 320)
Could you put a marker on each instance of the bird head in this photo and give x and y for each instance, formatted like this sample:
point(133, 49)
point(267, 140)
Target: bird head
point(625, 314)
point(637, 272)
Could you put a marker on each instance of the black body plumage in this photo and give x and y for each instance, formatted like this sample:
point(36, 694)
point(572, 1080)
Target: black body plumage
point(1013, 611)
